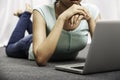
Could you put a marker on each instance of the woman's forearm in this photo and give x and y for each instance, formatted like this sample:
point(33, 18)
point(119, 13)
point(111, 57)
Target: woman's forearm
point(47, 48)
point(91, 24)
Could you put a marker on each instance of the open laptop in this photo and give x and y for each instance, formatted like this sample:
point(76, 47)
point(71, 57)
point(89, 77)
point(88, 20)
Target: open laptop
point(104, 51)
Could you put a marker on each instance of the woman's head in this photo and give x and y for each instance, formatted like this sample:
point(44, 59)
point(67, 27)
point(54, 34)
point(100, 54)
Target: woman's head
point(69, 3)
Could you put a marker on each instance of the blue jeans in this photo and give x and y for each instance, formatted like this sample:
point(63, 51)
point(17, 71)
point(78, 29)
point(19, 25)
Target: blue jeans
point(19, 44)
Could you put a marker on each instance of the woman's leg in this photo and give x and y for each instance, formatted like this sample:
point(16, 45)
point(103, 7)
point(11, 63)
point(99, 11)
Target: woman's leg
point(18, 45)
point(20, 28)
point(29, 28)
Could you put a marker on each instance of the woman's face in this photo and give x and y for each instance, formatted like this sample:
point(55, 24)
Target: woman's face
point(69, 3)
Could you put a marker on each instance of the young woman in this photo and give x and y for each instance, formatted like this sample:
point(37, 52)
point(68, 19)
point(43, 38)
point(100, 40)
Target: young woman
point(60, 31)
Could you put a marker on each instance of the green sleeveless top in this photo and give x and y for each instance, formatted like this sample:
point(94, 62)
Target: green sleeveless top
point(70, 42)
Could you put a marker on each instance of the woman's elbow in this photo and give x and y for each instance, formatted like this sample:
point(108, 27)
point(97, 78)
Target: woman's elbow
point(42, 56)
point(40, 59)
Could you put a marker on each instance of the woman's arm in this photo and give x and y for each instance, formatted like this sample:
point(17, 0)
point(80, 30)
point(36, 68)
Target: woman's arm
point(44, 46)
point(92, 24)
point(91, 21)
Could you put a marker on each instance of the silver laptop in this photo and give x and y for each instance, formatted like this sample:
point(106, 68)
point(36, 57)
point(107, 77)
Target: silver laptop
point(104, 51)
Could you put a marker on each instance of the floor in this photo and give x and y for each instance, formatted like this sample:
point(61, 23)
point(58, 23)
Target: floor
point(21, 69)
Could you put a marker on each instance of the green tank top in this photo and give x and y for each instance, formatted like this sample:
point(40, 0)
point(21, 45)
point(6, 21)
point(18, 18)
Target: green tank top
point(70, 42)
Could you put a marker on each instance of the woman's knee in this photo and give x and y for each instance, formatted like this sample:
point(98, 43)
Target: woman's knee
point(10, 51)
point(15, 54)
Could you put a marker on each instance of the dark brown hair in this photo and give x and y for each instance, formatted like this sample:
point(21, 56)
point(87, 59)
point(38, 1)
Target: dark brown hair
point(56, 1)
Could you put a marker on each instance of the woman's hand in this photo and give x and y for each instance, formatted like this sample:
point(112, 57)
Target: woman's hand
point(74, 10)
point(73, 22)
point(72, 17)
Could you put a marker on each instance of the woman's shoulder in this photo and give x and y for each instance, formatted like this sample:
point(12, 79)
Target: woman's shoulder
point(44, 7)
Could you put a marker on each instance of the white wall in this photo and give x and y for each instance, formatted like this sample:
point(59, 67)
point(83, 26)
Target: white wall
point(110, 9)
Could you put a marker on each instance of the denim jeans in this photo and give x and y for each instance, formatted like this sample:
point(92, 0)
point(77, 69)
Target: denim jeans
point(19, 44)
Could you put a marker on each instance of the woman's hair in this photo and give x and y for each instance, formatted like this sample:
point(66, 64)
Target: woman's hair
point(56, 1)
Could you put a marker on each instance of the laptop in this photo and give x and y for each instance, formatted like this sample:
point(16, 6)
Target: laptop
point(104, 51)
